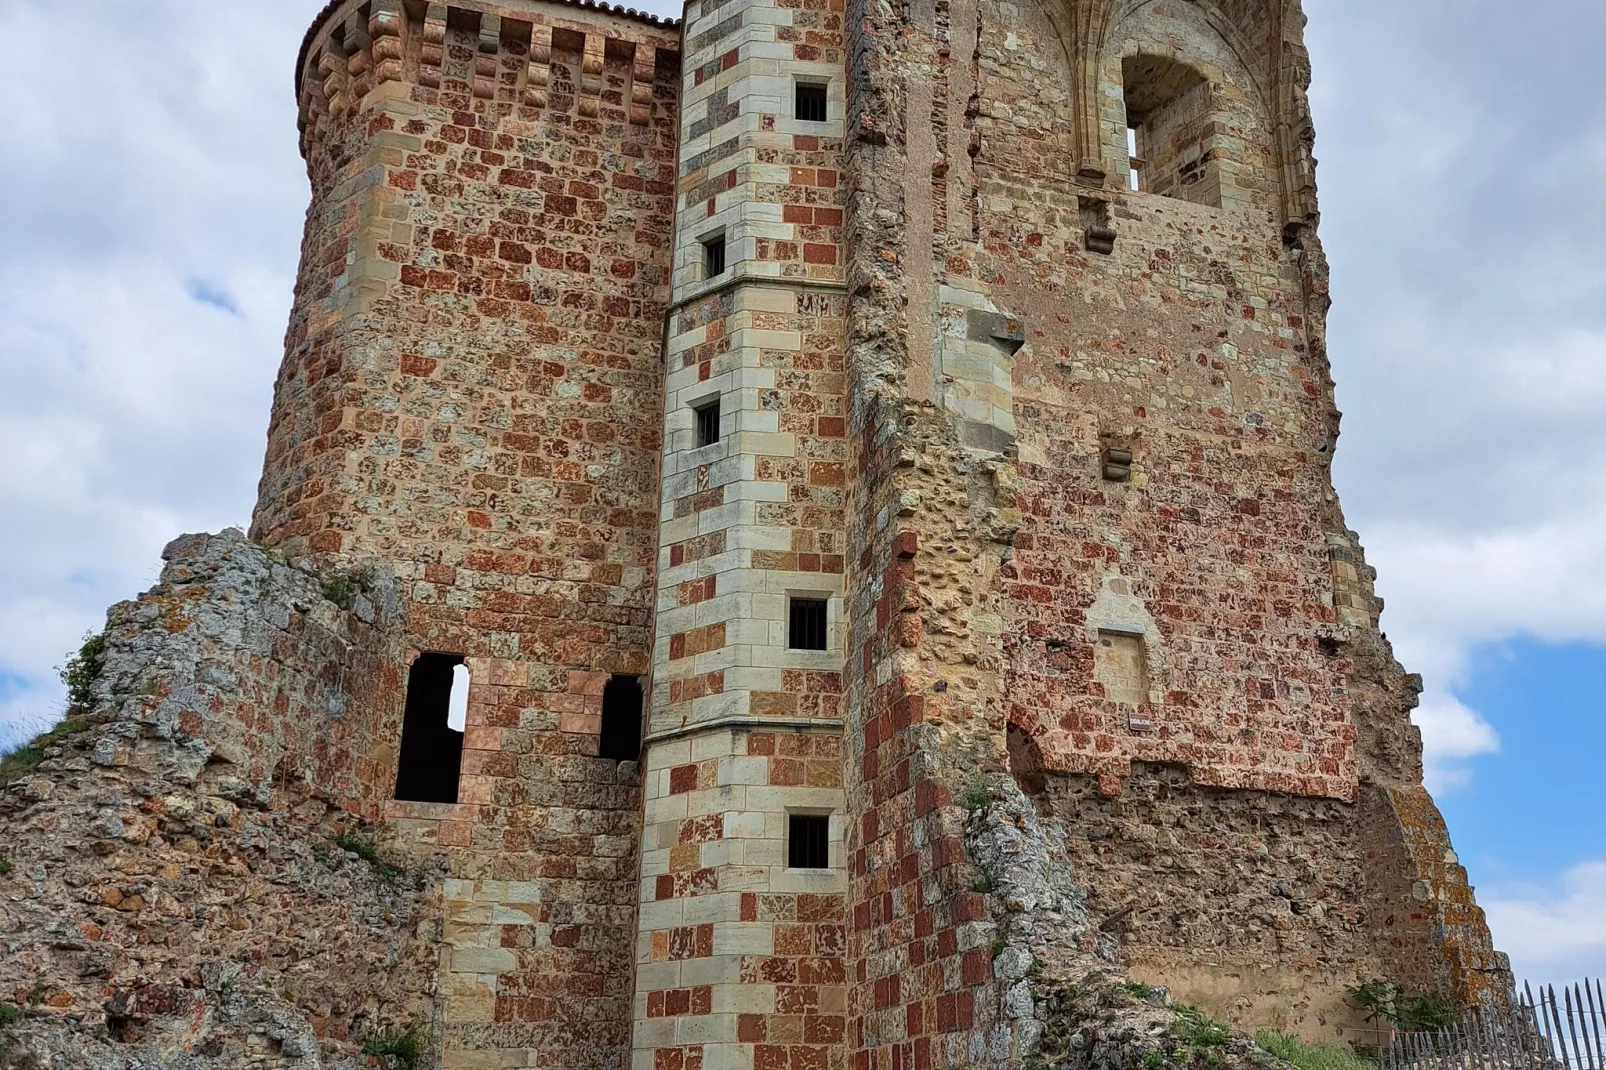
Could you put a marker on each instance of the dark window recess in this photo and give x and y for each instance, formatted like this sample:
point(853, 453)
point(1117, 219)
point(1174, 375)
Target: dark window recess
point(811, 103)
point(707, 423)
point(808, 624)
point(621, 720)
point(431, 752)
point(714, 257)
point(808, 844)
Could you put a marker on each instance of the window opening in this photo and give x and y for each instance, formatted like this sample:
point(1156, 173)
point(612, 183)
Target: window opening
point(1175, 131)
point(809, 842)
point(431, 747)
point(807, 626)
point(811, 104)
point(707, 419)
point(714, 257)
point(620, 740)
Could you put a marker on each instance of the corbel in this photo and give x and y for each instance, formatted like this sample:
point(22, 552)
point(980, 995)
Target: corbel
point(387, 26)
point(537, 84)
point(485, 72)
point(432, 56)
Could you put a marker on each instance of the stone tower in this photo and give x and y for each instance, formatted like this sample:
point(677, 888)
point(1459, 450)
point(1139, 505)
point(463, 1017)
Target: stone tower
point(885, 417)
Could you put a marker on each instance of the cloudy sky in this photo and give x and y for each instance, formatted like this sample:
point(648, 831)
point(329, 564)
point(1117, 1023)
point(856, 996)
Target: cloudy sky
point(153, 203)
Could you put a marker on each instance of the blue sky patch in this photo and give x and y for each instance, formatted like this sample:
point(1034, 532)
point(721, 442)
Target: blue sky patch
point(213, 295)
point(1532, 811)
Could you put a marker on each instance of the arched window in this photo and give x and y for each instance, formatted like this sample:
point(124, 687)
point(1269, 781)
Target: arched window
point(1178, 141)
point(432, 729)
point(621, 720)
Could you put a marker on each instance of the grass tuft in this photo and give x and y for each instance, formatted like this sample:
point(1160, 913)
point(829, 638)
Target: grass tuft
point(10, 1014)
point(14, 763)
point(1292, 1049)
point(342, 586)
point(406, 1045)
point(1197, 1029)
point(368, 852)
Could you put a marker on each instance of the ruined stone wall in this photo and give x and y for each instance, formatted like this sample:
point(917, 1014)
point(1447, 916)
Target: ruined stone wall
point(472, 393)
point(1182, 641)
point(239, 659)
point(171, 893)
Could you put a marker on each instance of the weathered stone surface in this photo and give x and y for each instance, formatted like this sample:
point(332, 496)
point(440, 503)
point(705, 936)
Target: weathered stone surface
point(174, 898)
point(1041, 415)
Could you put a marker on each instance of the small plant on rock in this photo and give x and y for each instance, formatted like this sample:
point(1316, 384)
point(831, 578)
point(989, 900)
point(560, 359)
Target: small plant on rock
point(1198, 1030)
point(1292, 1049)
point(406, 1045)
point(10, 1014)
point(82, 671)
point(368, 852)
point(344, 585)
point(5, 864)
point(977, 796)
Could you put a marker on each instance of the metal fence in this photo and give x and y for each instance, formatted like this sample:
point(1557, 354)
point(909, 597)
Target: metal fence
point(1550, 1031)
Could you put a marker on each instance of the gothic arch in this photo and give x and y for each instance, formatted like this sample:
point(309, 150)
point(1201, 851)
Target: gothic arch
point(1257, 35)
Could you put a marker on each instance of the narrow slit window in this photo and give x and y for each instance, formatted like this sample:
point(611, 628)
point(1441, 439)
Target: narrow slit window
point(714, 257)
point(1134, 161)
point(807, 628)
point(811, 105)
point(621, 720)
point(808, 842)
point(433, 722)
point(707, 420)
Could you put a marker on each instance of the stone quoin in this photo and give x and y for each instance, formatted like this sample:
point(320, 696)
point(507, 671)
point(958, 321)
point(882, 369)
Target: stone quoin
point(827, 419)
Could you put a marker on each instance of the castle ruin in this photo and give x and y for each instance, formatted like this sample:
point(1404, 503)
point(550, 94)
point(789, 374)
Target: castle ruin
point(795, 431)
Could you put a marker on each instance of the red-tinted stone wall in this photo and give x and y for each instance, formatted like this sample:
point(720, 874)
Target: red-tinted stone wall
point(472, 394)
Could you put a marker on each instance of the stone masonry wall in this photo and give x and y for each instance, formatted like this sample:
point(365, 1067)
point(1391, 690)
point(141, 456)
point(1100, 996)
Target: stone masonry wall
point(741, 958)
point(1187, 645)
point(472, 392)
point(171, 895)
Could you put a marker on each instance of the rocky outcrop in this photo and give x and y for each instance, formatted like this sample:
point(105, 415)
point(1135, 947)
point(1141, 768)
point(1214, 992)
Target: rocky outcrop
point(175, 892)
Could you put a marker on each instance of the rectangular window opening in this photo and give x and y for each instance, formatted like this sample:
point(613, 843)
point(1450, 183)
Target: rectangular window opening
point(620, 740)
point(432, 729)
point(811, 103)
point(1134, 161)
point(714, 257)
point(707, 420)
point(807, 627)
point(808, 842)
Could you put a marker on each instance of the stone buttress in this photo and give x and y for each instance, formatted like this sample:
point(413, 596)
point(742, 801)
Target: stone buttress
point(741, 959)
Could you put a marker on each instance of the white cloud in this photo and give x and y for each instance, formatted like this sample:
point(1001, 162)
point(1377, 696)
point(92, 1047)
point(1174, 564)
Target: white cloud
point(1553, 938)
point(1462, 218)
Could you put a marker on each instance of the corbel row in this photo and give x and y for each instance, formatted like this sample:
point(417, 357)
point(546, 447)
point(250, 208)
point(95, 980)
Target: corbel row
point(361, 53)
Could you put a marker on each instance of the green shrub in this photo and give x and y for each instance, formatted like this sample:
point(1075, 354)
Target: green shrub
point(10, 1014)
point(82, 671)
point(1197, 1029)
point(406, 1045)
point(368, 852)
point(1411, 1012)
point(1292, 1049)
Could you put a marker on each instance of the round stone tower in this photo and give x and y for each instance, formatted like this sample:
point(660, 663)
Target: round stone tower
point(471, 397)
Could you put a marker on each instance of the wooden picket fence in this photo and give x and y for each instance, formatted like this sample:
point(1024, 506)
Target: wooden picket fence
point(1551, 1031)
